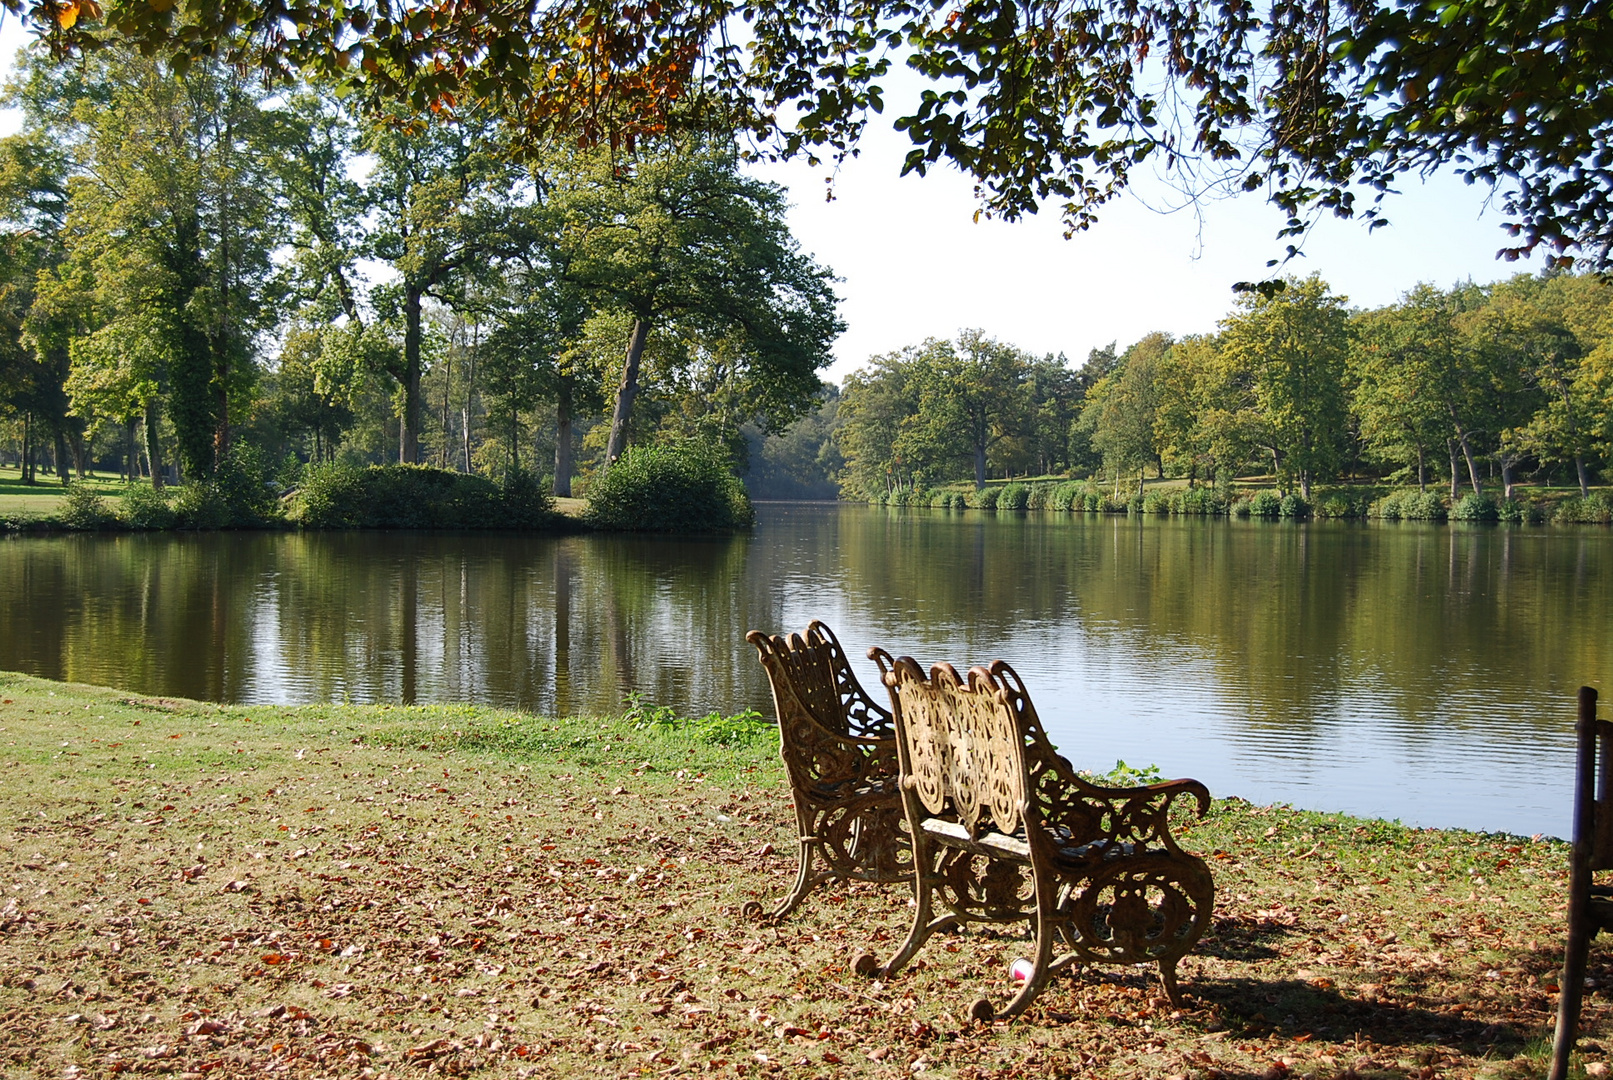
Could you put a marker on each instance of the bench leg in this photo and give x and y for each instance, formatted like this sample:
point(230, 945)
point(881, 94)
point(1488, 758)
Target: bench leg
point(1571, 994)
point(804, 882)
point(1041, 975)
point(1167, 980)
point(926, 879)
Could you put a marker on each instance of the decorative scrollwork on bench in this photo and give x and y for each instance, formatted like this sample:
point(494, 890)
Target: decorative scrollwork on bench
point(839, 751)
point(1003, 830)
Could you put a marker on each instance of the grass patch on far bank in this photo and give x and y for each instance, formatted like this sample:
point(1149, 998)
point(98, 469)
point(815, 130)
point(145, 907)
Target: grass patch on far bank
point(44, 497)
point(320, 891)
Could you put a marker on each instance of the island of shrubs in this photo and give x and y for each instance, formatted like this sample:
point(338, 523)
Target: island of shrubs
point(1381, 503)
point(681, 488)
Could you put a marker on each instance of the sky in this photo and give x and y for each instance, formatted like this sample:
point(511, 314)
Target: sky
point(914, 263)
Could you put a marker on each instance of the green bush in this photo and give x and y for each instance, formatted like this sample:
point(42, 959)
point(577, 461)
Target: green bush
point(142, 506)
point(679, 488)
point(1157, 502)
point(1475, 508)
point(201, 505)
point(1592, 510)
point(1063, 496)
point(1041, 495)
point(1264, 504)
point(1094, 501)
point(1206, 501)
point(84, 509)
point(331, 497)
point(1344, 504)
point(1409, 506)
point(343, 496)
point(985, 498)
point(1424, 506)
point(527, 501)
point(1294, 507)
point(1014, 497)
point(1521, 511)
point(1134, 505)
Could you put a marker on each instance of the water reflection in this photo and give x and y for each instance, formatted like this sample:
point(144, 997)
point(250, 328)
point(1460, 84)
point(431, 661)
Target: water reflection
point(1413, 671)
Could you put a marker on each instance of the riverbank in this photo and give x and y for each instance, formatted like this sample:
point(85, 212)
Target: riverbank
point(1263, 497)
point(321, 890)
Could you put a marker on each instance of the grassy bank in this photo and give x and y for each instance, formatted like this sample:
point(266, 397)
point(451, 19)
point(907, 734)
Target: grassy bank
point(221, 891)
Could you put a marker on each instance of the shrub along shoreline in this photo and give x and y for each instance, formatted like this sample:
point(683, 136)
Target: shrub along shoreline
point(1346, 503)
point(686, 489)
point(325, 889)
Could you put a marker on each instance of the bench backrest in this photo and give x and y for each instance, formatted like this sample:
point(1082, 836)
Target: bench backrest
point(812, 678)
point(1593, 796)
point(962, 746)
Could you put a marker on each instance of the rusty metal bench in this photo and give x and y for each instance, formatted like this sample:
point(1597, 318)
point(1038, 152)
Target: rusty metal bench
point(1590, 906)
point(839, 751)
point(1004, 830)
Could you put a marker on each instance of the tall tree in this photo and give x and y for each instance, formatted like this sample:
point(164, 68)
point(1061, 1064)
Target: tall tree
point(1294, 344)
point(1122, 408)
point(448, 204)
point(173, 201)
point(686, 238)
point(1388, 371)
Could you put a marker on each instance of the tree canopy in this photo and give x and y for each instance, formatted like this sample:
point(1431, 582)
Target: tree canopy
point(1324, 106)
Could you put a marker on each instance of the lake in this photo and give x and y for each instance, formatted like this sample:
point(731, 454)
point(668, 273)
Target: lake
point(1420, 672)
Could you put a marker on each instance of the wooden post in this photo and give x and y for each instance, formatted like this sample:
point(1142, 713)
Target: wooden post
point(1571, 988)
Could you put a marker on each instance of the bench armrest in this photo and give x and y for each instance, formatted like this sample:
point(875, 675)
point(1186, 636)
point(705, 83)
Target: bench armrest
point(819, 759)
point(1076, 810)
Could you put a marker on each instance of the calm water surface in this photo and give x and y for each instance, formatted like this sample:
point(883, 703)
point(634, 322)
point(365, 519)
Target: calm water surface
point(1419, 672)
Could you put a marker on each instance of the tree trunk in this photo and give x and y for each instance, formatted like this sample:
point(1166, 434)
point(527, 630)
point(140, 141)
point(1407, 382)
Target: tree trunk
point(515, 442)
point(154, 442)
point(63, 473)
point(562, 439)
point(409, 433)
point(447, 387)
point(464, 414)
point(980, 466)
point(1305, 484)
point(1467, 452)
point(626, 393)
point(1456, 482)
point(1584, 477)
point(27, 448)
point(1506, 476)
point(131, 456)
point(1422, 469)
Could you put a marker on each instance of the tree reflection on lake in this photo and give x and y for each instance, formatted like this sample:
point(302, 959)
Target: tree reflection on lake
point(1424, 672)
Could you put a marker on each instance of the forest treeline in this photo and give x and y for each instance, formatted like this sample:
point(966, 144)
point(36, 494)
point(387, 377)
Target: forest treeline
point(1473, 386)
point(205, 280)
point(202, 279)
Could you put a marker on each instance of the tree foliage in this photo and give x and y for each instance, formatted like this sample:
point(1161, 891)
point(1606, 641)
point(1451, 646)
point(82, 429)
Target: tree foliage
point(1324, 106)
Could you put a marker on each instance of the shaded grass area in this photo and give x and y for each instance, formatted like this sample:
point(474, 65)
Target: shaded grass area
point(349, 891)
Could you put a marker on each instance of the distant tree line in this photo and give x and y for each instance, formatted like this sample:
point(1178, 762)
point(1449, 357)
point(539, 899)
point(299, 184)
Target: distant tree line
point(1474, 384)
point(200, 274)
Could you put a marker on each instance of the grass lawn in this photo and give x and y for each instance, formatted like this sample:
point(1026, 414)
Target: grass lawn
point(202, 891)
point(44, 497)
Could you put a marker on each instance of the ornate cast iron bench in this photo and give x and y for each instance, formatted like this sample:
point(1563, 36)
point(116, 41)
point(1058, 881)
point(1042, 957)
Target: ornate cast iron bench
point(1004, 830)
point(839, 751)
point(1590, 906)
